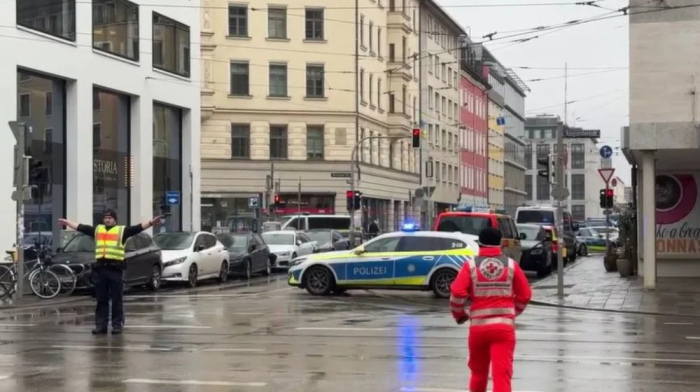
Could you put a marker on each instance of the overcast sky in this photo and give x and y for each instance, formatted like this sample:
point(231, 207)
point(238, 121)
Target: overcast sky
point(601, 93)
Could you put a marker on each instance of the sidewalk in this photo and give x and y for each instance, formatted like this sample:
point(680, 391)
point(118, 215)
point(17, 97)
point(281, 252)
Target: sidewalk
point(587, 285)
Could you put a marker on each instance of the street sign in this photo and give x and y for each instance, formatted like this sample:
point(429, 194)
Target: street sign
point(560, 194)
point(253, 202)
point(606, 174)
point(606, 151)
point(613, 183)
point(340, 175)
point(500, 121)
point(172, 198)
point(578, 133)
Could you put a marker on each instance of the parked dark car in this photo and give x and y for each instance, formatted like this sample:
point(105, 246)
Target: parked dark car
point(537, 249)
point(144, 265)
point(248, 254)
point(328, 240)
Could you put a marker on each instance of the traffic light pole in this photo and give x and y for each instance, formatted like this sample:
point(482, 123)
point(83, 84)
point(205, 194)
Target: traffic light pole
point(560, 209)
point(607, 220)
point(353, 163)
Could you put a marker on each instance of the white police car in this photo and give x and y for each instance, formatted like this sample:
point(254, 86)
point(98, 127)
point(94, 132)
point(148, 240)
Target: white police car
point(407, 260)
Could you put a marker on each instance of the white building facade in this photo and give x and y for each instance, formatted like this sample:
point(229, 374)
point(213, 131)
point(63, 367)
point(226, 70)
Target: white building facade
point(581, 171)
point(107, 89)
point(440, 87)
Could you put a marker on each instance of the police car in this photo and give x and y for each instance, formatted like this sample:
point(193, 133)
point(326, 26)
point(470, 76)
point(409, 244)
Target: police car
point(407, 260)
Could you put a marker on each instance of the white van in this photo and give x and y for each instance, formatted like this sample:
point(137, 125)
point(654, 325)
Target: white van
point(547, 215)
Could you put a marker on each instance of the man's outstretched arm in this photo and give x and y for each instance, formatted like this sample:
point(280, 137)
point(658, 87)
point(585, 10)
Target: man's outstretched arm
point(85, 229)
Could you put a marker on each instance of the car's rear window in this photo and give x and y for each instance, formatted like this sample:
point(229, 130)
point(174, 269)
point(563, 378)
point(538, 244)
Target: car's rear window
point(329, 223)
point(532, 216)
point(468, 224)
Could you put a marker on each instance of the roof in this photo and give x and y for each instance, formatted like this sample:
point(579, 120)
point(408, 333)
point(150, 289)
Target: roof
point(517, 81)
point(437, 8)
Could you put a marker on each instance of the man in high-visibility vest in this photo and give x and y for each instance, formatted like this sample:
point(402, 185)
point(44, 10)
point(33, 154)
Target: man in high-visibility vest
point(109, 267)
point(498, 291)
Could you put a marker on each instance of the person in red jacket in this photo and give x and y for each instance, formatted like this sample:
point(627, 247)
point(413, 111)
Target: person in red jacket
point(498, 291)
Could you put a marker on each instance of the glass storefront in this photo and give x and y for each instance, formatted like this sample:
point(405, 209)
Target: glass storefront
point(41, 104)
point(167, 165)
point(111, 160)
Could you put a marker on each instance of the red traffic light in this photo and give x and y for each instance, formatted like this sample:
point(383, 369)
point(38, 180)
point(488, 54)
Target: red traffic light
point(349, 194)
point(609, 192)
point(416, 132)
point(277, 199)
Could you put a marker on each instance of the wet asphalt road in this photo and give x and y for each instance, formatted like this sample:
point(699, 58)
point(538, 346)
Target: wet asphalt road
point(263, 336)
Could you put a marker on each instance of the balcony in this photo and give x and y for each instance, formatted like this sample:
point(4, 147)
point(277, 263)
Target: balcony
point(398, 68)
point(399, 20)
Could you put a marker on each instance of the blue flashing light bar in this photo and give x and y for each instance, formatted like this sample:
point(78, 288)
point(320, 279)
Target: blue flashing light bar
point(410, 227)
point(472, 208)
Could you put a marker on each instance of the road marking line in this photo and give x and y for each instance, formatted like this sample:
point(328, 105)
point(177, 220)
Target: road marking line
point(678, 323)
point(419, 389)
point(553, 357)
point(247, 350)
point(693, 337)
point(4, 377)
point(189, 296)
point(339, 329)
point(129, 348)
point(168, 326)
point(194, 382)
point(17, 325)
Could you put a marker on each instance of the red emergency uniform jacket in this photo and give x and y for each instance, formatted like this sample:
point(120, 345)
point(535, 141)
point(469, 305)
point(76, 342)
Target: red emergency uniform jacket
point(496, 287)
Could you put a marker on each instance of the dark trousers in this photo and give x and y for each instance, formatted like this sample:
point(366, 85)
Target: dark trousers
point(109, 285)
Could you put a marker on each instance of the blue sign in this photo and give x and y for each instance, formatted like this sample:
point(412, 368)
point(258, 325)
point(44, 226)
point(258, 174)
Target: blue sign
point(606, 151)
point(172, 198)
point(500, 121)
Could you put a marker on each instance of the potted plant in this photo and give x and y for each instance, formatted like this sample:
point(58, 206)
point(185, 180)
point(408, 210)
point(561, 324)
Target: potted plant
point(627, 241)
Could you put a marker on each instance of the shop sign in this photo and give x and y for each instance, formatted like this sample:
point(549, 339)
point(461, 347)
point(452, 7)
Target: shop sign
point(106, 169)
point(677, 215)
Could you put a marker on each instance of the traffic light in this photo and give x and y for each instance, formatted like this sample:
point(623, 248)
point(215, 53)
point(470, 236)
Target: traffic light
point(549, 172)
point(277, 200)
point(358, 199)
point(350, 196)
point(607, 198)
point(416, 138)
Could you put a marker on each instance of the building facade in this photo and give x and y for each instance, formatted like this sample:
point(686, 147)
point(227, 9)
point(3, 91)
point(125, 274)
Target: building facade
point(440, 87)
point(662, 140)
point(581, 175)
point(286, 97)
point(79, 71)
point(473, 130)
point(514, 142)
point(496, 137)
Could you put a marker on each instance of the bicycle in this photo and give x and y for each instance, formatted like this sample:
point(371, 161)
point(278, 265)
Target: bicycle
point(43, 282)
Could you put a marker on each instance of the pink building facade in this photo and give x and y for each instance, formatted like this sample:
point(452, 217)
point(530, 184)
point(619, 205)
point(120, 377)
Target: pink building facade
point(473, 140)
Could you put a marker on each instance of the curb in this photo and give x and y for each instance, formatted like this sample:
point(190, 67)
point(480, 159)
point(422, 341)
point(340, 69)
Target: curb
point(39, 305)
point(573, 307)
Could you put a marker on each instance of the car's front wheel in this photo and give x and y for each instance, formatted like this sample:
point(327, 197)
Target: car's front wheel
point(583, 250)
point(154, 282)
point(223, 272)
point(319, 280)
point(268, 267)
point(441, 281)
point(192, 276)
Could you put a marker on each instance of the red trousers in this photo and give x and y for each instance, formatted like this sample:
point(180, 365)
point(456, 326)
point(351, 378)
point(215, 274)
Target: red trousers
point(491, 344)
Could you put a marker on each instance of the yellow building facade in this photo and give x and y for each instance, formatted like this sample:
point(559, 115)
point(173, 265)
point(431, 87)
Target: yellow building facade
point(496, 157)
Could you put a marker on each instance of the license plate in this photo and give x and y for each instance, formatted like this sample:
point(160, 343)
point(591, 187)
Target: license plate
point(66, 280)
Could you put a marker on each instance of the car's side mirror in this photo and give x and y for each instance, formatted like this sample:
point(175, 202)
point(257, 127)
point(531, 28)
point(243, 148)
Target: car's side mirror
point(253, 247)
point(298, 243)
point(360, 250)
point(200, 247)
point(523, 236)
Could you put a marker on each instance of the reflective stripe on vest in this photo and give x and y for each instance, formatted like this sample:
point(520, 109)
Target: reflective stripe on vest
point(493, 320)
point(493, 312)
point(492, 276)
point(108, 243)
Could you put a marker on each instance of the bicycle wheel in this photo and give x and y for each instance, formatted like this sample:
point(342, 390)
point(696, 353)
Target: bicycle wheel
point(45, 284)
point(66, 276)
point(8, 282)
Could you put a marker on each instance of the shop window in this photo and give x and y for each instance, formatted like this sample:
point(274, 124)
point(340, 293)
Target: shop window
point(111, 159)
point(167, 164)
point(47, 166)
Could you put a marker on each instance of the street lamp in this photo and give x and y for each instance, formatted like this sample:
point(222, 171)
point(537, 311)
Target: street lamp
point(353, 163)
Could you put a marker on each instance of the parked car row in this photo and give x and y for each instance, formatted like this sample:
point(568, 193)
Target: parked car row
point(191, 257)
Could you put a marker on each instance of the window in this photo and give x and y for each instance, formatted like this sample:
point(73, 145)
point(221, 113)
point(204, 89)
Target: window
point(430, 97)
point(48, 138)
point(314, 142)
point(53, 17)
point(314, 24)
point(379, 93)
point(278, 142)
point(379, 41)
point(314, 81)
point(383, 245)
point(404, 100)
point(240, 78)
point(25, 105)
point(578, 156)
point(240, 141)
point(392, 5)
point(96, 136)
point(115, 28)
point(392, 52)
point(404, 49)
point(542, 188)
point(371, 89)
point(528, 156)
point(362, 31)
point(277, 22)
point(237, 20)
point(392, 103)
point(48, 102)
point(369, 33)
point(578, 213)
point(578, 187)
point(528, 187)
point(362, 85)
point(171, 45)
point(278, 80)
point(167, 163)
